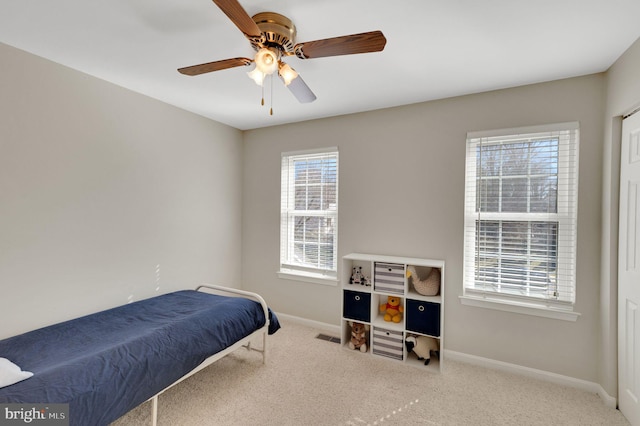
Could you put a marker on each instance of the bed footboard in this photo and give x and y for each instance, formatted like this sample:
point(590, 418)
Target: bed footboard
point(246, 342)
point(249, 295)
point(234, 291)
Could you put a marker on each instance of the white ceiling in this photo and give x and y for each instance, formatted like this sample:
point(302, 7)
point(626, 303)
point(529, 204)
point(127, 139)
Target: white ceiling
point(435, 49)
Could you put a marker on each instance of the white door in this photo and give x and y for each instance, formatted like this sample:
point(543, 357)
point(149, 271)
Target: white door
point(629, 272)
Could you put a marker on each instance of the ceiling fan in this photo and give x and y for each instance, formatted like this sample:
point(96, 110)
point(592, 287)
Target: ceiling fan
point(272, 36)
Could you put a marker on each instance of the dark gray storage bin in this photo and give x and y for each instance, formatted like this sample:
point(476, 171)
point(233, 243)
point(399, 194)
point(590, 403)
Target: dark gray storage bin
point(423, 317)
point(357, 305)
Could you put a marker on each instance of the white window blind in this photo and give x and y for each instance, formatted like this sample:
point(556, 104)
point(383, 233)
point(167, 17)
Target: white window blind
point(309, 212)
point(521, 199)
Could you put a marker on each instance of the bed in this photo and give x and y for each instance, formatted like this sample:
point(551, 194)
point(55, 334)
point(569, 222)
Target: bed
point(105, 364)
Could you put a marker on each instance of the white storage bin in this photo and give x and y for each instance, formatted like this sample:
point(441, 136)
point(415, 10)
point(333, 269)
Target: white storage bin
point(389, 277)
point(388, 343)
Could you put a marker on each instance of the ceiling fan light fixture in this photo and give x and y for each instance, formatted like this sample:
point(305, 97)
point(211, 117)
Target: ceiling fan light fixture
point(272, 36)
point(266, 61)
point(287, 73)
point(257, 76)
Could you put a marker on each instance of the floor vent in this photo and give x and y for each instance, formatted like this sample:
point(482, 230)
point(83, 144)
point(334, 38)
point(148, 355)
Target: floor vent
point(328, 338)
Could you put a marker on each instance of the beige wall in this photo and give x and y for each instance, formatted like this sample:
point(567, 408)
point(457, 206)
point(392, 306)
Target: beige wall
point(98, 186)
point(623, 96)
point(402, 193)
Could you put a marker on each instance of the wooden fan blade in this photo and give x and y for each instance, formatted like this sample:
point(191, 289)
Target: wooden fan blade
point(239, 17)
point(373, 41)
point(301, 91)
point(214, 66)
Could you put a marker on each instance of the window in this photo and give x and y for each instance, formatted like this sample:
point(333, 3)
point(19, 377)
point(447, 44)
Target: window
point(309, 214)
point(520, 216)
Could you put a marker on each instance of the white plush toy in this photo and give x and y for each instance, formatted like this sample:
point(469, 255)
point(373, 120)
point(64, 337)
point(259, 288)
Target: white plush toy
point(422, 346)
point(429, 286)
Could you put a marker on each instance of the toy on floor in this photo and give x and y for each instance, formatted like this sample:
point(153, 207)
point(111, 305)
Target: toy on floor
point(422, 346)
point(358, 336)
point(392, 310)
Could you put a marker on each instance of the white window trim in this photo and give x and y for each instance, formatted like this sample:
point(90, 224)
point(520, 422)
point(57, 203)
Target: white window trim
point(553, 311)
point(503, 302)
point(311, 275)
point(294, 275)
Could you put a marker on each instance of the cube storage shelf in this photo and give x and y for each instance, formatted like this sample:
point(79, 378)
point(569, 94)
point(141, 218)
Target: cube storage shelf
point(381, 276)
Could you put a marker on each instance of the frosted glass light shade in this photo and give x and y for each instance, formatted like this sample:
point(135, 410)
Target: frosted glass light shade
point(257, 76)
point(266, 61)
point(287, 73)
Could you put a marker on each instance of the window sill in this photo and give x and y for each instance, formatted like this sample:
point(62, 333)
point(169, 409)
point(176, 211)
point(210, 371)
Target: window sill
point(308, 277)
point(519, 308)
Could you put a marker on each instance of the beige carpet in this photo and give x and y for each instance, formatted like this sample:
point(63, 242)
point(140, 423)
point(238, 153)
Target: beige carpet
point(308, 381)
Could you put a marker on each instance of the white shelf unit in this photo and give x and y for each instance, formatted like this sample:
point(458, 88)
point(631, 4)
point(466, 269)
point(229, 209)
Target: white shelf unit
point(422, 316)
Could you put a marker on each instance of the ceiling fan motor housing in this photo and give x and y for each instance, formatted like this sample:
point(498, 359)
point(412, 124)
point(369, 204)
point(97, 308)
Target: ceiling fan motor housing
point(278, 30)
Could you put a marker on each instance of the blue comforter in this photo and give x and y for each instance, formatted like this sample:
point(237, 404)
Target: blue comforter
point(107, 363)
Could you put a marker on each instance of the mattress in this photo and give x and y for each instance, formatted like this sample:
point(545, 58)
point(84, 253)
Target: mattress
point(107, 363)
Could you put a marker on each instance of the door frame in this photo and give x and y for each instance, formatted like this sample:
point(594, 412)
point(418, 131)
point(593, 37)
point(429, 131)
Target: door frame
point(618, 139)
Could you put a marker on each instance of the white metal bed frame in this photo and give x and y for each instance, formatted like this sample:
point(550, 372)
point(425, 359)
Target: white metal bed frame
point(245, 342)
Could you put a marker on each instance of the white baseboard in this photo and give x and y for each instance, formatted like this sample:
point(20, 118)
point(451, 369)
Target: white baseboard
point(608, 400)
point(329, 328)
point(559, 379)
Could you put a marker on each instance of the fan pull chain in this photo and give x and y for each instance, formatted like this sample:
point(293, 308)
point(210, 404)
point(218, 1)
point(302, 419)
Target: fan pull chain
point(271, 91)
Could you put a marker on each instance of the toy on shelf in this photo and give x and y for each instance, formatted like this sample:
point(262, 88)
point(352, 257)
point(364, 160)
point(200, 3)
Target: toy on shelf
point(422, 346)
point(430, 286)
point(357, 277)
point(392, 310)
point(358, 336)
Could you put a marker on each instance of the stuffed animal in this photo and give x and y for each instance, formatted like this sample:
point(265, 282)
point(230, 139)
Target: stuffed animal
point(358, 336)
point(392, 310)
point(422, 346)
point(356, 276)
point(429, 286)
